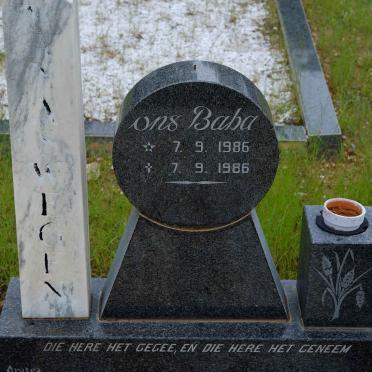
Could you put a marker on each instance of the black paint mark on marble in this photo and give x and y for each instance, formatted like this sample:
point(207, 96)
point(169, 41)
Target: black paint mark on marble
point(42, 70)
point(41, 230)
point(47, 107)
point(46, 263)
point(37, 169)
point(30, 9)
point(53, 289)
point(44, 203)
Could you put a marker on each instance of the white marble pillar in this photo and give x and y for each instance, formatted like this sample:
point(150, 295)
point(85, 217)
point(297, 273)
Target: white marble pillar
point(48, 151)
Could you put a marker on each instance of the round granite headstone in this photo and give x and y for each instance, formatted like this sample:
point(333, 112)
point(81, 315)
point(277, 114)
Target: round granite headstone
point(195, 147)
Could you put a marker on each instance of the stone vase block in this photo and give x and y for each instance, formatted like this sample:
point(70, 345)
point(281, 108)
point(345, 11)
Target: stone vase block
point(335, 275)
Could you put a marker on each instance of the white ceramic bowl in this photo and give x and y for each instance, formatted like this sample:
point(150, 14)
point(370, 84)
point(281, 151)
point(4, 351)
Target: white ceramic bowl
point(342, 222)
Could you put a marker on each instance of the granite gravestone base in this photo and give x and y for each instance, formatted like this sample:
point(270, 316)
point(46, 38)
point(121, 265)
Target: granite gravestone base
point(176, 345)
point(164, 273)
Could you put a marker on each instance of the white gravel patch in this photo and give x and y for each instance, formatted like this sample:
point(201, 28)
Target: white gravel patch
point(122, 41)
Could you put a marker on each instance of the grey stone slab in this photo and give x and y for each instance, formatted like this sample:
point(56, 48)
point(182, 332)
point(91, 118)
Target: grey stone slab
point(291, 133)
point(335, 275)
point(315, 101)
point(95, 128)
point(93, 345)
point(195, 146)
point(98, 129)
point(164, 273)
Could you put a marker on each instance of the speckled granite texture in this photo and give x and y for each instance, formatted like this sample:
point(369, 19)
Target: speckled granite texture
point(178, 346)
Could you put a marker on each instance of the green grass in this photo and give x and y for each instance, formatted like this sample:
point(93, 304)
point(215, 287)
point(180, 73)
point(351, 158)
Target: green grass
point(2, 60)
point(343, 35)
point(108, 210)
point(8, 248)
point(342, 32)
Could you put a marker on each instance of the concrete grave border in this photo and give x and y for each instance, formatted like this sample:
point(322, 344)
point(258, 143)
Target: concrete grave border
point(107, 130)
point(314, 99)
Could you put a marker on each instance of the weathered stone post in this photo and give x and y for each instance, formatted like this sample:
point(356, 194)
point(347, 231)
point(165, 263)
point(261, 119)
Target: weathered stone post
point(48, 150)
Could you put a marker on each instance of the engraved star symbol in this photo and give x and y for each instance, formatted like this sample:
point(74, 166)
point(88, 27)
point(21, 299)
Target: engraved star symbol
point(148, 147)
point(148, 167)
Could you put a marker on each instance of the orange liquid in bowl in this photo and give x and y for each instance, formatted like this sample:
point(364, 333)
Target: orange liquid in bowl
point(344, 208)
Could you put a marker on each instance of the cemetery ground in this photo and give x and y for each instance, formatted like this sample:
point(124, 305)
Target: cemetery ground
point(343, 37)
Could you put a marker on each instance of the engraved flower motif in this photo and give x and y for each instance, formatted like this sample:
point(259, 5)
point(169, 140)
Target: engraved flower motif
point(360, 297)
point(327, 266)
point(348, 279)
point(339, 286)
